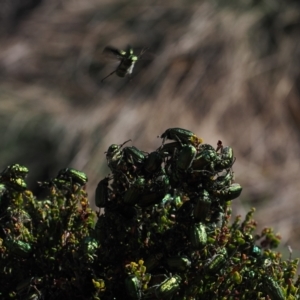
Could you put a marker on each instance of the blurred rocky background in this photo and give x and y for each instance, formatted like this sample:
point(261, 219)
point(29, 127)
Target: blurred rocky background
point(226, 70)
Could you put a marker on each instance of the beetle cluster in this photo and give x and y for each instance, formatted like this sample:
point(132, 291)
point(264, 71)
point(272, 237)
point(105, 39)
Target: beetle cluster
point(170, 208)
point(164, 233)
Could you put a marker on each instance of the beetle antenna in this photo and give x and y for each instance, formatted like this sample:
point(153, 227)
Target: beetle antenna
point(143, 51)
point(124, 143)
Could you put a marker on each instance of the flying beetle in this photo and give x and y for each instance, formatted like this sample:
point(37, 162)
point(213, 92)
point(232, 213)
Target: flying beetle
point(127, 60)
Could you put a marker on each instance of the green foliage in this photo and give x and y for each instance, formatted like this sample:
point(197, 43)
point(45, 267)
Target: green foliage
point(46, 248)
point(166, 232)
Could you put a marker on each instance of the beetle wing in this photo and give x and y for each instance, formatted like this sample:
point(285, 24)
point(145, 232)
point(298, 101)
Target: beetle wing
point(111, 52)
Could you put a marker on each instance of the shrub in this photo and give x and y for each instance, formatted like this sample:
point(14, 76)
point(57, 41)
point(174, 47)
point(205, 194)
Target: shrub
point(165, 233)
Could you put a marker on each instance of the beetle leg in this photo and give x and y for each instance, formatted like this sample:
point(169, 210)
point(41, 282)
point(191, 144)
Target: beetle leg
point(108, 75)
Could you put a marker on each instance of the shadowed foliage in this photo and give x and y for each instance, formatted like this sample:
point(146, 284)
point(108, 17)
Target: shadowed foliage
point(225, 70)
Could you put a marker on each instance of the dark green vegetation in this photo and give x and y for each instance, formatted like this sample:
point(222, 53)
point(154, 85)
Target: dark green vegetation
point(230, 67)
point(165, 233)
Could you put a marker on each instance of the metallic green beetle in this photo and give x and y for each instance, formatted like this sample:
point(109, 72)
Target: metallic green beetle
point(14, 171)
point(168, 287)
point(230, 193)
point(134, 193)
point(73, 175)
point(114, 155)
point(153, 162)
point(17, 183)
point(185, 157)
point(206, 158)
point(13, 176)
point(198, 235)
point(133, 155)
point(202, 206)
point(102, 192)
point(180, 135)
point(169, 149)
point(226, 159)
point(127, 60)
point(133, 287)
point(223, 180)
point(217, 261)
point(178, 263)
point(17, 247)
point(272, 288)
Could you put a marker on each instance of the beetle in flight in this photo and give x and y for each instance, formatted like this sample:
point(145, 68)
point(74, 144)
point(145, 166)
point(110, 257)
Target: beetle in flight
point(127, 60)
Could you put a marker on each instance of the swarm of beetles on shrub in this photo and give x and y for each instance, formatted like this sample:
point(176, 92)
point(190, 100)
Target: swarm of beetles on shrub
point(165, 232)
point(171, 208)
